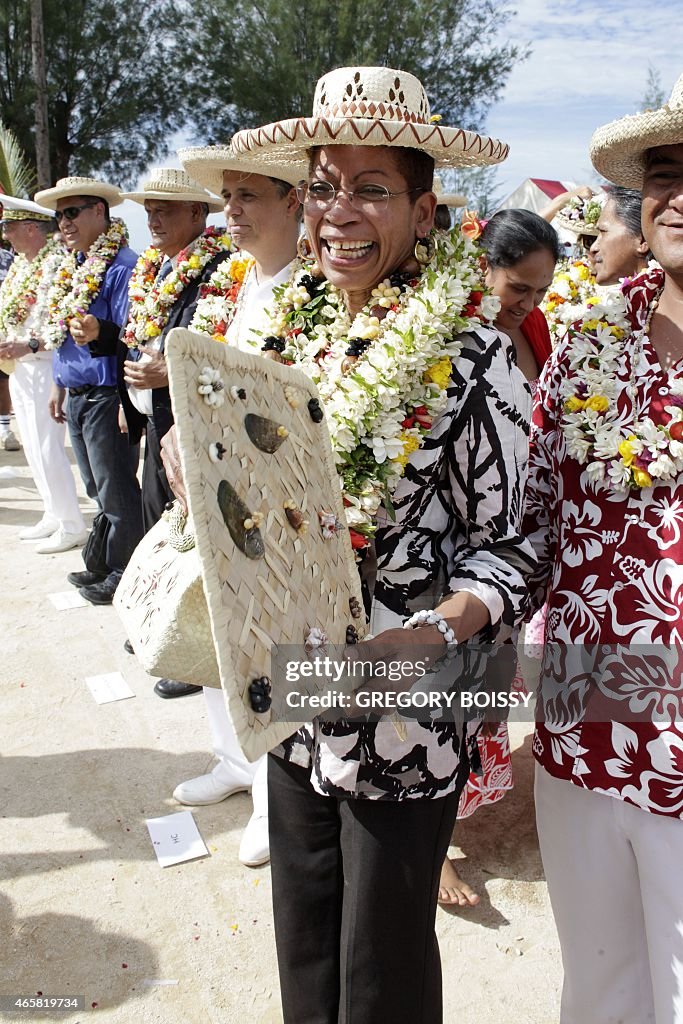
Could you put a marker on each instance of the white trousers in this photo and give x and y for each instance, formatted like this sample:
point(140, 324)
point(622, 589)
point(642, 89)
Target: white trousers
point(615, 877)
point(233, 765)
point(43, 442)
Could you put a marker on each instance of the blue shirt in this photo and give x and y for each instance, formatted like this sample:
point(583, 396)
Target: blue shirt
point(72, 365)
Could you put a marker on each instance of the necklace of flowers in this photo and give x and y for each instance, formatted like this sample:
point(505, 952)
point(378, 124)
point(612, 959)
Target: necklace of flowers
point(572, 292)
point(383, 374)
point(19, 290)
point(76, 286)
point(218, 298)
point(624, 451)
point(151, 299)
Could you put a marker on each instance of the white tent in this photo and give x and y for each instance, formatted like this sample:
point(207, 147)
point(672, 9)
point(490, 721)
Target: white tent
point(535, 194)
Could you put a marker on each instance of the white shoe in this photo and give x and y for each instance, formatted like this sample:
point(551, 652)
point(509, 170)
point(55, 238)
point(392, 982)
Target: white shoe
point(62, 540)
point(207, 789)
point(255, 847)
point(9, 442)
point(45, 528)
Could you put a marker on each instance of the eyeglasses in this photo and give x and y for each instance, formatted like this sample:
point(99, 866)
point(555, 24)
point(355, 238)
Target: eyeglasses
point(71, 212)
point(322, 194)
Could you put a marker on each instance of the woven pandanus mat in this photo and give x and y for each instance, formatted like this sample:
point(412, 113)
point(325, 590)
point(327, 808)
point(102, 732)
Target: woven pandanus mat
point(256, 465)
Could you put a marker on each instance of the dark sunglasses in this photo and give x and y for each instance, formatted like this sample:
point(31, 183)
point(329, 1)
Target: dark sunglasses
point(71, 212)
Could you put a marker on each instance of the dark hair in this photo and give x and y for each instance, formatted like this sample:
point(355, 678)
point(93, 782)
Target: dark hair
point(511, 235)
point(93, 201)
point(283, 190)
point(416, 167)
point(627, 205)
point(442, 218)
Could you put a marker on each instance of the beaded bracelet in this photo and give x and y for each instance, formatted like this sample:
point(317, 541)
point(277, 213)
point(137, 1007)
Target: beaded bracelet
point(432, 618)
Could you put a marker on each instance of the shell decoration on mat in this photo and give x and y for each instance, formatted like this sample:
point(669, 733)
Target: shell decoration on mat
point(266, 434)
point(211, 387)
point(238, 394)
point(329, 524)
point(295, 517)
point(217, 451)
point(259, 695)
point(241, 523)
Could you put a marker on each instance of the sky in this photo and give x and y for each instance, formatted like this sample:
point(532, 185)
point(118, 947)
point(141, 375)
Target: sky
point(588, 65)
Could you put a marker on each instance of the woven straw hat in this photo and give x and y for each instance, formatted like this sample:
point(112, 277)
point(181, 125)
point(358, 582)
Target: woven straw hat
point(618, 149)
point(173, 185)
point(14, 209)
point(370, 107)
point(452, 199)
point(74, 186)
point(206, 165)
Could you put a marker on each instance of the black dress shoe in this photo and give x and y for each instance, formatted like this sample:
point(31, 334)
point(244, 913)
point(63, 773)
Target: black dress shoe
point(171, 688)
point(102, 592)
point(85, 578)
point(128, 647)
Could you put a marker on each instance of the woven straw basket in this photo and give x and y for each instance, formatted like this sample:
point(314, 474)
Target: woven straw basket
point(300, 580)
point(160, 601)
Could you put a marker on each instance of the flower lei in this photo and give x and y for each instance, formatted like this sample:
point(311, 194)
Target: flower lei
point(19, 290)
point(76, 287)
point(572, 292)
point(151, 300)
point(582, 212)
point(616, 447)
point(218, 297)
point(383, 374)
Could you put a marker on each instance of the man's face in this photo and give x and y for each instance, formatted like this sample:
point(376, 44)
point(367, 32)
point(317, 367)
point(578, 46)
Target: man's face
point(256, 214)
point(173, 225)
point(81, 220)
point(19, 234)
point(662, 212)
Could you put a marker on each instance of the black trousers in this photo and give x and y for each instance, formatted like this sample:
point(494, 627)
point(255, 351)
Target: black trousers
point(156, 492)
point(355, 885)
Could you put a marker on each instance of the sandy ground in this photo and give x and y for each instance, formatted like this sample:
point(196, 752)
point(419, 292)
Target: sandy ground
point(84, 908)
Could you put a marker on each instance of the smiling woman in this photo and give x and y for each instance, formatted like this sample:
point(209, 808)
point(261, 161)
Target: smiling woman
point(428, 414)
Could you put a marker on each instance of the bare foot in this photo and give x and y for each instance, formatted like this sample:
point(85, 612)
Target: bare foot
point(453, 892)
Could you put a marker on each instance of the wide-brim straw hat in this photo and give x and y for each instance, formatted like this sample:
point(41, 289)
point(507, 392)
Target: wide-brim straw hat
point(453, 199)
point(14, 209)
point(206, 165)
point(618, 149)
point(370, 107)
point(75, 186)
point(170, 184)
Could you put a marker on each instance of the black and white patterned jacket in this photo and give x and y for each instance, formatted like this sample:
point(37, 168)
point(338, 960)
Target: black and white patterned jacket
point(457, 527)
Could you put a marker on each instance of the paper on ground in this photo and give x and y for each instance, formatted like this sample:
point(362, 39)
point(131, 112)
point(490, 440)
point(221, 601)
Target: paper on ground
point(68, 599)
point(176, 838)
point(108, 687)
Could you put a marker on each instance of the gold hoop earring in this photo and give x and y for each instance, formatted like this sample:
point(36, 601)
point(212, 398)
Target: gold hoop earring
point(304, 250)
point(424, 251)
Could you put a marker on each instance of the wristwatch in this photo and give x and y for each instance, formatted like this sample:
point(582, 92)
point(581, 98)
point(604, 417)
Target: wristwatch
point(33, 344)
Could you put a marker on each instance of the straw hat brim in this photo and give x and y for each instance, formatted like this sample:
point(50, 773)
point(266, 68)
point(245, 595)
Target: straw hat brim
point(215, 205)
point(577, 227)
point(618, 149)
point(451, 199)
point(290, 140)
point(100, 190)
point(205, 165)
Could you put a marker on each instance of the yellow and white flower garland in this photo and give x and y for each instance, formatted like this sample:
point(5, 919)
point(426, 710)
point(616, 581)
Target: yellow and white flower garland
point(19, 290)
point(572, 292)
point(151, 300)
point(218, 297)
point(381, 402)
point(617, 448)
point(76, 286)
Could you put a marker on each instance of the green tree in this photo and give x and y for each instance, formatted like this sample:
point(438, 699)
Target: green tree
point(114, 98)
point(655, 96)
point(258, 60)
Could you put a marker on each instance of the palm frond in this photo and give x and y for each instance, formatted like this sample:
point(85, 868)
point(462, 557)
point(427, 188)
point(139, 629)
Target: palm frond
point(17, 174)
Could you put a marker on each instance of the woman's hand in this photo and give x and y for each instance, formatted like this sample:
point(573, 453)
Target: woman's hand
point(170, 456)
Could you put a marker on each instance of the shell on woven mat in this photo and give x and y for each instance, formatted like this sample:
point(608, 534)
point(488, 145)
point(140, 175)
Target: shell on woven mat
point(266, 582)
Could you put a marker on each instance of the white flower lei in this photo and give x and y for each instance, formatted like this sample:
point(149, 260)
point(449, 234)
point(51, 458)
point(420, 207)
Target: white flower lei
point(218, 297)
point(151, 300)
point(76, 287)
point(624, 453)
point(19, 290)
point(380, 408)
point(572, 293)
